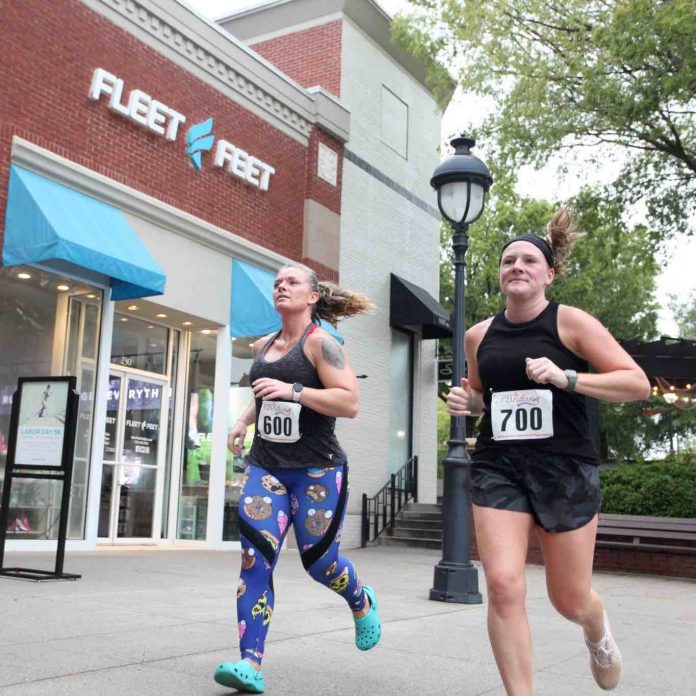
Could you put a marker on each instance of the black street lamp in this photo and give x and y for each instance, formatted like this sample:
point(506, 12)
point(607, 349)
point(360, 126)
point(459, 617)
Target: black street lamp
point(461, 181)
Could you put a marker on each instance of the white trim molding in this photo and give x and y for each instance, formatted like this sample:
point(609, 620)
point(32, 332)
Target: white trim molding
point(212, 54)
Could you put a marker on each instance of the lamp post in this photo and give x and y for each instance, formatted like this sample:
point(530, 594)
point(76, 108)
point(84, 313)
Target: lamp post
point(461, 181)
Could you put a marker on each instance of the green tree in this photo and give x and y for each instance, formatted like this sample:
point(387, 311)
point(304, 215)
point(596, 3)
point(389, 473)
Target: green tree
point(685, 315)
point(610, 274)
point(577, 73)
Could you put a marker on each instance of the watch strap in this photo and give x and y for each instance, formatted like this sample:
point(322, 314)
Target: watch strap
point(572, 376)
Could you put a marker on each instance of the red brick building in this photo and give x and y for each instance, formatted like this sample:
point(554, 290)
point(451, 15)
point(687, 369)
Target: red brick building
point(153, 172)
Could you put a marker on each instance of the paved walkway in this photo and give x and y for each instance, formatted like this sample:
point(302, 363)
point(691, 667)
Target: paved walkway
point(156, 622)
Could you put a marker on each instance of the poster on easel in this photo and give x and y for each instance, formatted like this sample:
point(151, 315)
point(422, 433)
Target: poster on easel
point(41, 445)
point(41, 426)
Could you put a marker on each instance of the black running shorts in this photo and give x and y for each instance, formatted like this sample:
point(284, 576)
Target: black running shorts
point(560, 492)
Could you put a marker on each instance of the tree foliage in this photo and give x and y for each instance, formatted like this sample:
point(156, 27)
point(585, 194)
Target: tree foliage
point(685, 315)
point(611, 274)
point(577, 73)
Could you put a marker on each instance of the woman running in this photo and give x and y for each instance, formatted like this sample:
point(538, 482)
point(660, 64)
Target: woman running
point(534, 465)
point(296, 473)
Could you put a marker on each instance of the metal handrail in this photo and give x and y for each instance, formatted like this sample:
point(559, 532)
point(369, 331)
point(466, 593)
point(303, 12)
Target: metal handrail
point(379, 511)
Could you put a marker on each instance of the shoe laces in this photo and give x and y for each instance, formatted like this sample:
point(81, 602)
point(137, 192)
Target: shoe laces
point(602, 652)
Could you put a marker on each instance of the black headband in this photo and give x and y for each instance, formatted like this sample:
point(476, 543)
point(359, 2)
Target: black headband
point(539, 242)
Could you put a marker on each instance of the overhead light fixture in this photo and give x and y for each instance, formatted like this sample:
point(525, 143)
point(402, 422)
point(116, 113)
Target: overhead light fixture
point(62, 288)
point(123, 319)
point(161, 316)
point(91, 296)
point(133, 308)
point(24, 276)
point(206, 331)
point(186, 323)
point(150, 326)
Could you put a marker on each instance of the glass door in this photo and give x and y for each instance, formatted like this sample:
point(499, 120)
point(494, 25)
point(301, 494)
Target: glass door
point(134, 452)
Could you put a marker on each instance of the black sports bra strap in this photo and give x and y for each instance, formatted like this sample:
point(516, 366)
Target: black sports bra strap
point(267, 345)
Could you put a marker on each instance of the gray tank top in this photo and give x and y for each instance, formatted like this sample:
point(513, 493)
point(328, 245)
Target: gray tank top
point(317, 446)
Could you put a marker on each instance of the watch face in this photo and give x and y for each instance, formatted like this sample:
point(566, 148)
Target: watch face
point(297, 387)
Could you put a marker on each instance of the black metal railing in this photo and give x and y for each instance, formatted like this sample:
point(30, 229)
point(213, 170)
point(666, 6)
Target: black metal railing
point(379, 511)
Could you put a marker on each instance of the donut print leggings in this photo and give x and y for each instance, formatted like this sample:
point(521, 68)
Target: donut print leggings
point(314, 500)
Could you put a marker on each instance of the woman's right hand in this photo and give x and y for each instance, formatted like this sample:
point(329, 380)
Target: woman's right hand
point(459, 399)
point(235, 438)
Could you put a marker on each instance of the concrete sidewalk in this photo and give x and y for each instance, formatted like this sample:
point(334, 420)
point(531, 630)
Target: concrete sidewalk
point(148, 622)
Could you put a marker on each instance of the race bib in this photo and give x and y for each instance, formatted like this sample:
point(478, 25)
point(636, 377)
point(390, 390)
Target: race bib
point(279, 421)
point(522, 415)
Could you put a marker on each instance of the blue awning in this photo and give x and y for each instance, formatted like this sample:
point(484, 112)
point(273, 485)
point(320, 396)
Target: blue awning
point(46, 221)
point(253, 312)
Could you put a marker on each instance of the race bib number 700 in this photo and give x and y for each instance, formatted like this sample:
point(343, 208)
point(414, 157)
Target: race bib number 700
point(279, 421)
point(526, 414)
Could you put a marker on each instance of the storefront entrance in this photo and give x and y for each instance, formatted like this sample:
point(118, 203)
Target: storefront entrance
point(134, 456)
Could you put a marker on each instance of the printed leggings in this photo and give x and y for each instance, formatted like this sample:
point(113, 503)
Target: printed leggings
point(314, 499)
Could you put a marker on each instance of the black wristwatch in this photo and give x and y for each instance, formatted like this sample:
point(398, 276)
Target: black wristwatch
point(296, 391)
point(572, 376)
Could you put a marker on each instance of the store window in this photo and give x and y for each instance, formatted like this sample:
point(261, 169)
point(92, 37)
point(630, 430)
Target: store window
point(136, 459)
point(198, 439)
point(400, 399)
point(49, 325)
point(139, 344)
point(240, 396)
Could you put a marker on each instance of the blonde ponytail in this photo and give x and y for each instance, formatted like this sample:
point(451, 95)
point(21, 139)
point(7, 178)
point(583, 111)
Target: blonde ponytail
point(334, 303)
point(561, 234)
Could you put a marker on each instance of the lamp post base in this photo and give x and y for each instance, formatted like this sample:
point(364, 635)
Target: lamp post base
point(457, 583)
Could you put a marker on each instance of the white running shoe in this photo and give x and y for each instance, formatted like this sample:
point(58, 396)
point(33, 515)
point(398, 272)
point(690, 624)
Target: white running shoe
point(605, 659)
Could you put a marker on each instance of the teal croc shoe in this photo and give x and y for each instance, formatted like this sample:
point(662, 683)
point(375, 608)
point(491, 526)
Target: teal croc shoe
point(241, 676)
point(368, 628)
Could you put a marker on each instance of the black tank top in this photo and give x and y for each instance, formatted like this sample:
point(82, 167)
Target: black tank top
point(501, 366)
point(317, 446)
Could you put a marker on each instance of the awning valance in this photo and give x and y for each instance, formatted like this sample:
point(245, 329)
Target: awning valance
point(252, 310)
point(413, 307)
point(46, 221)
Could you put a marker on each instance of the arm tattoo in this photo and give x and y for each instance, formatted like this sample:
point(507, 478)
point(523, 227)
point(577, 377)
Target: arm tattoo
point(332, 353)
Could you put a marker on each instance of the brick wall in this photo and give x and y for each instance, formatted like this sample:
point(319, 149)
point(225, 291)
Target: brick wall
point(664, 563)
point(319, 189)
point(319, 66)
point(48, 52)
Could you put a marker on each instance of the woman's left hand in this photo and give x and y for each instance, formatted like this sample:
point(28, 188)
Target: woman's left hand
point(267, 388)
point(543, 371)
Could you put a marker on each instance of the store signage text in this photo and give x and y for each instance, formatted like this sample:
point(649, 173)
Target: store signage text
point(162, 120)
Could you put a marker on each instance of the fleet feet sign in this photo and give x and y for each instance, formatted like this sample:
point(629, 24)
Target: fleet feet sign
point(164, 121)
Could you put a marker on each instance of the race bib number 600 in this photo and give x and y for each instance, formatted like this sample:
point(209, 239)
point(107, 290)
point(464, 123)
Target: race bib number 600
point(522, 415)
point(279, 421)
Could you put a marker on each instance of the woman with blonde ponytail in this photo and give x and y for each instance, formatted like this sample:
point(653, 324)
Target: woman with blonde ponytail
point(297, 472)
point(535, 466)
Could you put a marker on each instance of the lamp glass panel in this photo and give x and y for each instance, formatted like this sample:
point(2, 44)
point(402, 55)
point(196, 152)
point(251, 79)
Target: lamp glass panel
point(453, 199)
point(476, 205)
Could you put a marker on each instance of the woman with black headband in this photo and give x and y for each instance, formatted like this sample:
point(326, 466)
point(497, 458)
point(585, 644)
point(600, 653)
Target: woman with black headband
point(534, 465)
point(297, 472)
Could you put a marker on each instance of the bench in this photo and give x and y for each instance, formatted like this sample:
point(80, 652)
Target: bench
point(640, 533)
